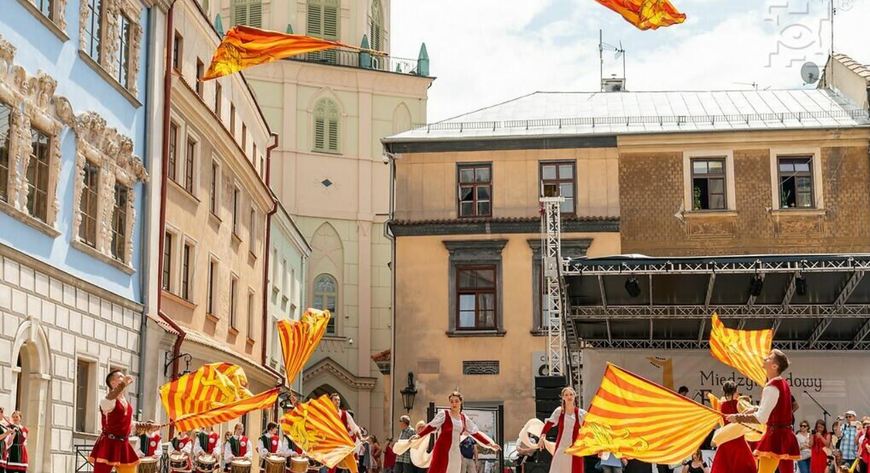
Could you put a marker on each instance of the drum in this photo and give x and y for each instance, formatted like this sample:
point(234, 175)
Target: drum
point(206, 463)
point(275, 463)
point(240, 466)
point(147, 465)
point(298, 465)
point(314, 465)
point(179, 461)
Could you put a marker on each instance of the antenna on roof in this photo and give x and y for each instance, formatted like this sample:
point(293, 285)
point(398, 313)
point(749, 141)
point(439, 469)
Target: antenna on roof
point(752, 84)
point(616, 84)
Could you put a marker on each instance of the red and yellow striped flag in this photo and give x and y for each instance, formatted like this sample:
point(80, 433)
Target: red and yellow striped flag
point(646, 14)
point(316, 428)
point(300, 338)
point(743, 350)
point(631, 417)
point(210, 386)
point(244, 46)
point(227, 412)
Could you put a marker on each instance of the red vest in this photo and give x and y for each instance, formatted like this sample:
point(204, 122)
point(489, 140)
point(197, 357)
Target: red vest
point(271, 442)
point(212, 442)
point(148, 444)
point(179, 443)
point(781, 415)
point(344, 421)
point(119, 421)
point(729, 407)
point(242, 444)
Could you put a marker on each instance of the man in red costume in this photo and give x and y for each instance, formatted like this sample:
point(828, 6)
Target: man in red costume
point(352, 429)
point(778, 447)
point(112, 449)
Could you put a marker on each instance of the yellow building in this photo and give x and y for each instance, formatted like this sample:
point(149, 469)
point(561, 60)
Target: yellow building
point(331, 109)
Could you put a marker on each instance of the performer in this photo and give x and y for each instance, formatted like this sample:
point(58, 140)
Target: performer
point(207, 442)
point(568, 417)
point(450, 425)
point(288, 448)
point(778, 447)
point(5, 431)
point(733, 456)
point(270, 442)
point(347, 419)
point(149, 445)
point(237, 446)
point(112, 449)
point(182, 442)
point(16, 445)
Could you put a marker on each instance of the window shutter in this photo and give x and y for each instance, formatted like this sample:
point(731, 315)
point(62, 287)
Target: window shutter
point(315, 19)
point(333, 135)
point(319, 132)
point(240, 13)
point(255, 14)
point(330, 23)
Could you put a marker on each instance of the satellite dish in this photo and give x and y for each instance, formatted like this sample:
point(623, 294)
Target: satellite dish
point(810, 73)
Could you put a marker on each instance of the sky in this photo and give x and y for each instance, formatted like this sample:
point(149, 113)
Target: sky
point(485, 52)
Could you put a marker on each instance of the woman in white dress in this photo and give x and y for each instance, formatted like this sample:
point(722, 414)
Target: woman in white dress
point(568, 418)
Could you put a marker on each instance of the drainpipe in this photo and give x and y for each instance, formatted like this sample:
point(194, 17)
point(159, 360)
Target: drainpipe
point(268, 252)
point(389, 236)
point(164, 180)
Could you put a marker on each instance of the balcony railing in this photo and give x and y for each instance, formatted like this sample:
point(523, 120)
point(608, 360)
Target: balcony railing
point(342, 57)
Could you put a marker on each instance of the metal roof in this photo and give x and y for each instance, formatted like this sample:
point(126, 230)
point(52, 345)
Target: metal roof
point(813, 302)
point(618, 113)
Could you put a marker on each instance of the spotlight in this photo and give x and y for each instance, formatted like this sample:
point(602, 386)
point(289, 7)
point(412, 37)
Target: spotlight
point(632, 287)
point(800, 285)
point(755, 286)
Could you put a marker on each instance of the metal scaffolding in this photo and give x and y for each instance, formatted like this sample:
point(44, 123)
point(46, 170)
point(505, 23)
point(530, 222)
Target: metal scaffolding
point(554, 297)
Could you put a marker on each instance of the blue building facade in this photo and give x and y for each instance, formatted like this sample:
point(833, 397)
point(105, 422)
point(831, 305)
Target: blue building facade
point(73, 207)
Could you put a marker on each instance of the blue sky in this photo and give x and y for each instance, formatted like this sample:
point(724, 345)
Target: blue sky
point(488, 51)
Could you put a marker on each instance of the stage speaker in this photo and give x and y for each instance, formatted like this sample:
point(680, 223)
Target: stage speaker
point(548, 390)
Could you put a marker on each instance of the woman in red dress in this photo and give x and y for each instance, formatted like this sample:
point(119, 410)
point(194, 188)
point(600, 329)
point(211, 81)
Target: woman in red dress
point(568, 418)
point(733, 456)
point(112, 449)
point(819, 441)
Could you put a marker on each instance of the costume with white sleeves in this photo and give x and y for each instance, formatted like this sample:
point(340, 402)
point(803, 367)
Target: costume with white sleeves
point(237, 447)
point(569, 425)
point(207, 443)
point(149, 445)
point(446, 457)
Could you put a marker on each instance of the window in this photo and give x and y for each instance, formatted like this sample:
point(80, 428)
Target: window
point(173, 151)
point(88, 205)
point(119, 221)
point(236, 199)
point(217, 99)
point(210, 298)
point(253, 227)
point(186, 271)
point(248, 12)
point(5, 138)
point(323, 22)
point(233, 120)
point(122, 65)
point(377, 26)
point(796, 183)
point(557, 180)
point(93, 29)
point(37, 175)
point(167, 261)
point(177, 49)
point(45, 7)
point(262, 166)
point(213, 188)
point(83, 404)
point(326, 126)
point(475, 190)
point(188, 165)
point(284, 277)
point(254, 154)
point(244, 138)
point(476, 294)
point(200, 71)
point(250, 322)
point(325, 296)
point(708, 184)
point(292, 294)
point(234, 293)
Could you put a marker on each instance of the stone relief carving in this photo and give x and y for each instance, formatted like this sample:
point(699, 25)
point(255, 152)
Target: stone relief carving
point(111, 36)
point(802, 227)
point(711, 229)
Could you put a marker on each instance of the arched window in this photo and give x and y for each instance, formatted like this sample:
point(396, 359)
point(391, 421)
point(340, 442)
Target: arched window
point(326, 123)
point(326, 298)
point(377, 35)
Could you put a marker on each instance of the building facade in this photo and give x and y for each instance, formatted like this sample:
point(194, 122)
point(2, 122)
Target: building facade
point(212, 305)
point(74, 187)
point(331, 109)
point(656, 174)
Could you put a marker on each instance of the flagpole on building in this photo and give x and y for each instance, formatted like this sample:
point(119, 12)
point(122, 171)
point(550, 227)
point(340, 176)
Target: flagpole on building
point(601, 59)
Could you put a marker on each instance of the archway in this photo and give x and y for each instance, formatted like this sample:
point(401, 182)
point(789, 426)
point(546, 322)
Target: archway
point(328, 390)
point(32, 390)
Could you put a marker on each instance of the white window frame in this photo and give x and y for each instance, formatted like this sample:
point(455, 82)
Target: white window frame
point(214, 283)
point(730, 185)
point(818, 177)
point(175, 264)
point(218, 192)
point(192, 293)
point(197, 151)
point(235, 218)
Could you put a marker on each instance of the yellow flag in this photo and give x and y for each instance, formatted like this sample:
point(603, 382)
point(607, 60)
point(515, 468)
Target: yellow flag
point(743, 350)
point(316, 428)
point(646, 14)
point(631, 417)
point(208, 387)
point(227, 412)
point(299, 339)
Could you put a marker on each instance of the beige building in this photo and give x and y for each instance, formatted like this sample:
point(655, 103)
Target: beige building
point(328, 172)
point(216, 206)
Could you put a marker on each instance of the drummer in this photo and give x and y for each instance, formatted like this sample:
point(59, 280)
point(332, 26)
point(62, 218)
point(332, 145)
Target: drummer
point(288, 448)
point(269, 443)
point(237, 447)
point(182, 443)
point(207, 442)
point(149, 445)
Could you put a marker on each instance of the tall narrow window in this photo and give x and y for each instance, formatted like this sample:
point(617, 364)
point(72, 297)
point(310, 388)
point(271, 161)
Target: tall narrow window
point(476, 294)
point(708, 184)
point(325, 298)
point(93, 29)
point(557, 180)
point(248, 13)
point(119, 221)
point(177, 50)
point(234, 295)
point(475, 190)
point(200, 71)
point(250, 321)
point(83, 382)
point(88, 205)
point(173, 151)
point(218, 98)
point(377, 26)
point(262, 167)
point(37, 175)
point(167, 261)
point(46, 8)
point(236, 199)
point(122, 65)
point(5, 135)
point(188, 165)
point(252, 217)
point(213, 188)
point(212, 276)
point(254, 154)
point(244, 138)
point(326, 126)
point(796, 183)
point(186, 271)
point(233, 120)
point(284, 278)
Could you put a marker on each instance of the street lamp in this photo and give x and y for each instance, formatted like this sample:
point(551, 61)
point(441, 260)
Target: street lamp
point(409, 393)
point(167, 358)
